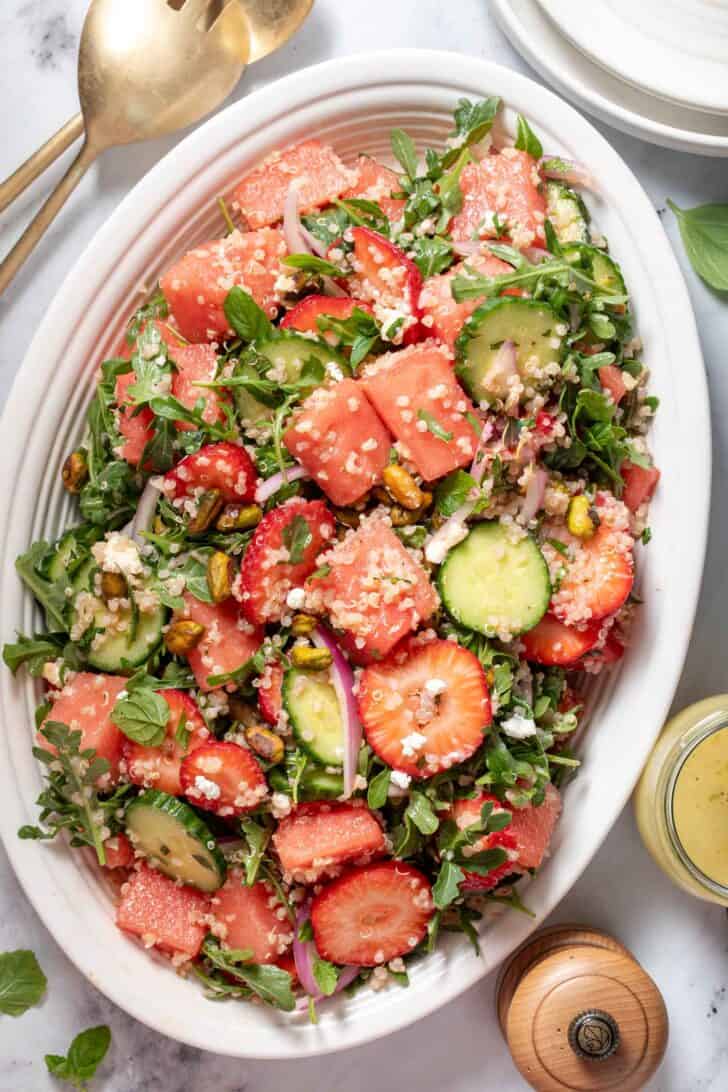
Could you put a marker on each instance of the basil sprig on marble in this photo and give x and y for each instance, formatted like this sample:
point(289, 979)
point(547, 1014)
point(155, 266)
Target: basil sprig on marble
point(704, 232)
point(22, 982)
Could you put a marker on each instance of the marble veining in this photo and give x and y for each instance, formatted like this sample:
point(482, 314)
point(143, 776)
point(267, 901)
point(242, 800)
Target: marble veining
point(682, 943)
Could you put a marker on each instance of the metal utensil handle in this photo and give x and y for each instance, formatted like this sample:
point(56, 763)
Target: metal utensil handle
point(48, 153)
point(37, 227)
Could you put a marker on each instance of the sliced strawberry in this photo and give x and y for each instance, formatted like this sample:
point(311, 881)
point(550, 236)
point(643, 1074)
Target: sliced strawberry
point(386, 276)
point(86, 703)
point(466, 813)
point(553, 644)
point(223, 466)
point(375, 182)
point(270, 697)
point(606, 654)
point(159, 767)
point(598, 580)
point(425, 709)
point(119, 852)
point(610, 377)
point(197, 364)
point(252, 918)
point(228, 642)
point(303, 316)
point(640, 482)
point(318, 838)
point(163, 913)
point(224, 778)
point(299, 529)
point(506, 183)
point(372, 914)
point(319, 173)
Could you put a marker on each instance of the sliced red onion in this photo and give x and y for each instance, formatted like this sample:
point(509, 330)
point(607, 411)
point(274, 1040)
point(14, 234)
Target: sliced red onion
point(314, 244)
point(478, 464)
point(534, 494)
point(504, 367)
point(466, 248)
point(144, 515)
point(292, 227)
point(304, 953)
point(331, 288)
point(453, 530)
point(576, 174)
point(270, 486)
point(342, 678)
point(536, 254)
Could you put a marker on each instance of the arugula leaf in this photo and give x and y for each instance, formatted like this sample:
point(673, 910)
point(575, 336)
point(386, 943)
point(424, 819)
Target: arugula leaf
point(248, 320)
point(142, 715)
point(432, 254)
point(50, 594)
point(156, 308)
point(473, 121)
point(422, 814)
point(34, 651)
point(365, 213)
point(704, 232)
point(526, 139)
point(453, 491)
point(310, 263)
point(272, 984)
point(404, 152)
point(379, 788)
point(22, 982)
point(433, 425)
point(297, 537)
point(451, 196)
point(326, 975)
point(359, 330)
point(447, 885)
point(327, 226)
point(85, 1055)
point(257, 837)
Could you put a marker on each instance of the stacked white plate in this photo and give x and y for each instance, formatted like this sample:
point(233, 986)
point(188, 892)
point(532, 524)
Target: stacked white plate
point(657, 69)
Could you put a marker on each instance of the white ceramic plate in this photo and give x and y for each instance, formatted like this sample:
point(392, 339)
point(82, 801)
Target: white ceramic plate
point(675, 49)
point(593, 88)
point(352, 102)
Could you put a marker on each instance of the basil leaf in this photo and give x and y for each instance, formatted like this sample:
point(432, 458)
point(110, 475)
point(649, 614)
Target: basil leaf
point(379, 788)
point(453, 491)
point(22, 982)
point(526, 139)
point(704, 232)
point(247, 319)
point(326, 975)
point(311, 264)
point(85, 1055)
point(434, 426)
point(447, 885)
point(142, 716)
point(404, 151)
point(432, 255)
point(483, 863)
point(297, 537)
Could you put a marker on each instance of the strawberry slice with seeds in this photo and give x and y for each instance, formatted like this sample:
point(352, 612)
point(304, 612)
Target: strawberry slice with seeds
point(319, 837)
point(304, 315)
point(270, 695)
point(159, 767)
point(598, 580)
point(224, 778)
point(385, 275)
point(281, 555)
point(425, 709)
point(554, 644)
point(223, 466)
point(372, 914)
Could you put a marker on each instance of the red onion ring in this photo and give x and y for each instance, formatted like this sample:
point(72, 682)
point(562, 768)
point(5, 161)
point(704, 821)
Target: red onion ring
point(270, 486)
point(292, 227)
point(304, 953)
point(534, 494)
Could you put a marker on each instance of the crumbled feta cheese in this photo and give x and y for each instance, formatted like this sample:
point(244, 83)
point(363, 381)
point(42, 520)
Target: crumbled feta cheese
point(118, 554)
point(412, 743)
point(400, 779)
point(209, 789)
point(296, 598)
point(518, 727)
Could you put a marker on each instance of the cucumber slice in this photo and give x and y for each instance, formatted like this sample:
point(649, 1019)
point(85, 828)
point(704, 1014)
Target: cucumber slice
point(287, 353)
point(602, 268)
point(315, 715)
point(567, 212)
point(118, 650)
point(529, 324)
point(69, 552)
point(315, 784)
point(177, 840)
point(493, 585)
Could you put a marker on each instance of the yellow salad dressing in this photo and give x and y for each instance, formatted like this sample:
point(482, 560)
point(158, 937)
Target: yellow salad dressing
point(681, 800)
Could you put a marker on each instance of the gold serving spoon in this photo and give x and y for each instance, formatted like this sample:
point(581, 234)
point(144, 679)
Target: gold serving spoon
point(146, 68)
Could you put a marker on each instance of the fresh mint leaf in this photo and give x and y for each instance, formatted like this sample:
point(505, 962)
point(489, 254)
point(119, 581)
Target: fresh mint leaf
point(142, 715)
point(248, 320)
point(432, 255)
point(447, 885)
point(453, 491)
point(22, 982)
point(404, 152)
point(379, 788)
point(272, 984)
point(422, 814)
point(526, 139)
point(326, 975)
point(85, 1055)
point(297, 537)
point(434, 426)
point(309, 263)
point(327, 226)
point(359, 331)
point(704, 232)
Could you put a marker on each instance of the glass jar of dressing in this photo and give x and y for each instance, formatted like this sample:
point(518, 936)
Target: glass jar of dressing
point(681, 800)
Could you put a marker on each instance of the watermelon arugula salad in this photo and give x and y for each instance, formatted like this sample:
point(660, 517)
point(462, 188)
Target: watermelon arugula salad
point(358, 501)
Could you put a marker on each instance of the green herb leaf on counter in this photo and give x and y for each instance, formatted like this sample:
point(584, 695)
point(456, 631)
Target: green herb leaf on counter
point(22, 982)
point(526, 139)
point(704, 232)
point(85, 1055)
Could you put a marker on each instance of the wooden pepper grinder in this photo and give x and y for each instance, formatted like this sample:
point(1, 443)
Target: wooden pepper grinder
point(580, 1013)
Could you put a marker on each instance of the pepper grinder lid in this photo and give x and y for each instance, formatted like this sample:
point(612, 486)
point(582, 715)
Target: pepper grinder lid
point(580, 1013)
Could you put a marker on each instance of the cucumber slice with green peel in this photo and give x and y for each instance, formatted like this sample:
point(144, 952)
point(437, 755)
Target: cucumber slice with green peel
point(315, 715)
point(287, 354)
point(69, 553)
point(532, 327)
point(600, 266)
point(567, 212)
point(181, 845)
point(134, 636)
point(494, 585)
point(315, 784)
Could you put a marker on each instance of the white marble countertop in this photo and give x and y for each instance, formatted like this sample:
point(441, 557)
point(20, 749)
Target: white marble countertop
point(683, 943)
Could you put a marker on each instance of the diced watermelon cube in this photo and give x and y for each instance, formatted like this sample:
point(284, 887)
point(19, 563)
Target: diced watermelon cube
point(85, 704)
point(247, 917)
point(135, 427)
point(196, 286)
point(119, 852)
point(505, 183)
point(373, 590)
point(339, 439)
point(228, 642)
point(610, 377)
point(441, 314)
point(318, 838)
point(533, 827)
point(163, 914)
point(321, 176)
point(416, 394)
point(375, 182)
point(197, 363)
point(640, 482)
